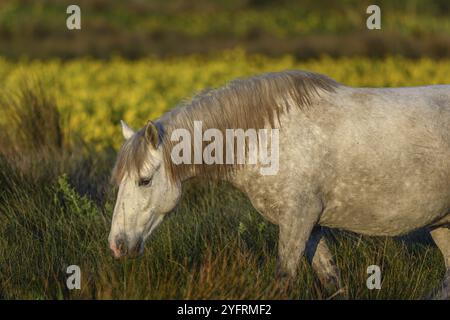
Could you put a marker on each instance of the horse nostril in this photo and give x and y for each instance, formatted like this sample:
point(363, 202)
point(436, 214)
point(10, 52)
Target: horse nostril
point(121, 246)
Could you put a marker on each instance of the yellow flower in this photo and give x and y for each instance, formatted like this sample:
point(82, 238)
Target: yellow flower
point(97, 94)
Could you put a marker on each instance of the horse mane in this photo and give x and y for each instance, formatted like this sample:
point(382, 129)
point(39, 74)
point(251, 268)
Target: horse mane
point(255, 102)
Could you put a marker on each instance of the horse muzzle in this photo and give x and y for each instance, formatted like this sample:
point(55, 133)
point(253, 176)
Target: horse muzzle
point(122, 247)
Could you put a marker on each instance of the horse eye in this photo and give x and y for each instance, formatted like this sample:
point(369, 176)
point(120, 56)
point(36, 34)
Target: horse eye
point(144, 182)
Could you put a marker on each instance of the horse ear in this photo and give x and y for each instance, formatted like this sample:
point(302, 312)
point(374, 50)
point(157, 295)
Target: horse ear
point(152, 134)
point(126, 130)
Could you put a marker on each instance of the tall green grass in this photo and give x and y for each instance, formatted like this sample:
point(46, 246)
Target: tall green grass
point(55, 211)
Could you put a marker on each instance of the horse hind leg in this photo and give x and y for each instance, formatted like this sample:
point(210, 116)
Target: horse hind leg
point(441, 237)
point(321, 260)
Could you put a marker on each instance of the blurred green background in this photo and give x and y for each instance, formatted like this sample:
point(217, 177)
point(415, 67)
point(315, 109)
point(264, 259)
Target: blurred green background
point(304, 29)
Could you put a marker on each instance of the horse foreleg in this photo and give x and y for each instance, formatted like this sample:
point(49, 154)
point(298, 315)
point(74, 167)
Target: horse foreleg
point(441, 237)
point(321, 259)
point(295, 228)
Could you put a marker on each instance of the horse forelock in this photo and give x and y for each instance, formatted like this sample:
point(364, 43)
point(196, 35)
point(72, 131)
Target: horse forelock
point(131, 157)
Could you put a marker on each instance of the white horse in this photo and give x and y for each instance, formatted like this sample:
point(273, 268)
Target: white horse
point(375, 161)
